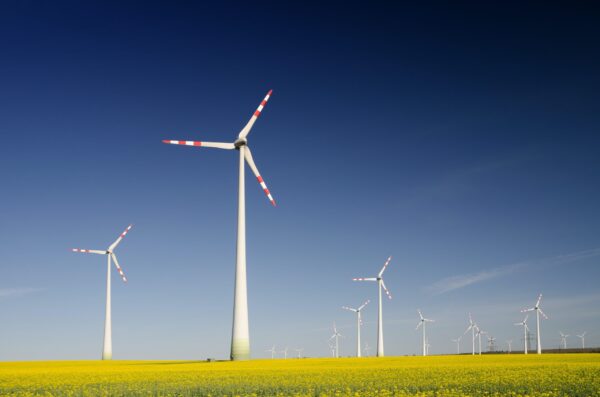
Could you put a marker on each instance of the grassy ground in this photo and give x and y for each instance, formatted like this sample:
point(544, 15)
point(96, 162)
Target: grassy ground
point(492, 375)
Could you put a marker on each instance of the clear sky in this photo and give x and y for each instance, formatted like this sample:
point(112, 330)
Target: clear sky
point(462, 140)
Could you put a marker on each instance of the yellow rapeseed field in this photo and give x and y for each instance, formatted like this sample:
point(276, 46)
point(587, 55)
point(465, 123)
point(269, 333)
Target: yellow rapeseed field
point(487, 375)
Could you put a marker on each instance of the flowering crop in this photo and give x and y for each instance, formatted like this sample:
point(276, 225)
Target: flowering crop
point(488, 375)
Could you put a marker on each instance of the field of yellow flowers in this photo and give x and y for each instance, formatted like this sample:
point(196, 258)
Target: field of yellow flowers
point(487, 375)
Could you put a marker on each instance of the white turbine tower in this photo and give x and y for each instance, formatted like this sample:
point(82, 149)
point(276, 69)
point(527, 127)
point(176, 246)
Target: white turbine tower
point(538, 311)
point(335, 336)
point(457, 341)
point(358, 323)
point(472, 327)
point(582, 337)
point(421, 323)
point(272, 351)
point(380, 285)
point(509, 343)
point(299, 351)
point(563, 339)
point(525, 330)
point(109, 252)
point(240, 338)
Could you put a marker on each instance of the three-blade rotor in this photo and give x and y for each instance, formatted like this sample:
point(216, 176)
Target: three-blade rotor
point(240, 142)
point(110, 252)
point(379, 278)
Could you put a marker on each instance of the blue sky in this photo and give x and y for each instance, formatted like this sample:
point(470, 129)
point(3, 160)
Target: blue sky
point(461, 140)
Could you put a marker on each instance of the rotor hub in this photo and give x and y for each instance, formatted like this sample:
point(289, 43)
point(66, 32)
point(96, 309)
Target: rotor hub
point(240, 142)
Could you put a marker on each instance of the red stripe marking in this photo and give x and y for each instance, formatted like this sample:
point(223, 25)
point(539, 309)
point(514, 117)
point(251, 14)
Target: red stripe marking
point(269, 93)
point(263, 103)
point(267, 191)
point(260, 180)
point(257, 113)
point(181, 142)
point(197, 143)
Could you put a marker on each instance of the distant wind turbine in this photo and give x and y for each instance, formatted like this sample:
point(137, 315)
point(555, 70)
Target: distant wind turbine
point(272, 351)
point(381, 285)
point(358, 312)
point(240, 338)
point(563, 339)
point(367, 349)
point(538, 310)
point(457, 341)
point(335, 337)
point(582, 337)
point(472, 327)
point(509, 343)
point(299, 351)
point(422, 323)
point(285, 351)
point(479, 333)
point(109, 252)
point(525, 330)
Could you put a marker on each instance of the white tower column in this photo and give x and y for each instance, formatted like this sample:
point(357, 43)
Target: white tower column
point(240, 338)
point(539, 341)
point(358, 334)
point(525, 338)
point(380, 325)
point(424, 341)
point(107, 348)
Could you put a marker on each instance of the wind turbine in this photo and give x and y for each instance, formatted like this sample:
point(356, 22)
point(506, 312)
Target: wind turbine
point(491, 343)
point(582, 337)
point(358, 323)
point(479, 333)
point(563, 339)
point(109, 252)
point(284, 351)
point(272, 351)
point(299, 351)
point(457, 341)
point(240, 338)
point(538, 311)
point(525, 330)
point(472, 326)
point(421, 323)
point(509, 343)
point(335, 336)
point(367, 349)
point(331, 348)
point(380, 284)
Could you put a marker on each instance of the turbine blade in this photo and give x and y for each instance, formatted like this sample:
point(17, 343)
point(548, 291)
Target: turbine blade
point(420, 314)
point(246, 130)
point(89, 251)
point(118, 240)
point(528, 310)
point(218, 145)
point(386, 290)
point(419, 324)
point(364, 304)
point(349, 308)
point(542, 313)
point(364, 279)
point(114, 258)
point(387, 262)
point(250, 161)
point(538, 300)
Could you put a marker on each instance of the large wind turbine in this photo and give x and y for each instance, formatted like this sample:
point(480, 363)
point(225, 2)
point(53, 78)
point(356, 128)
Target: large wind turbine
point(525, 329)
point(240, 338)
point(421, 323)
point(538, 311)
point(335, 336)
point(582, 337)
point(358, 323)
point(472, 327)
point(380, 285)
point(509, 343)
point(563, 339)
point(109, 252)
